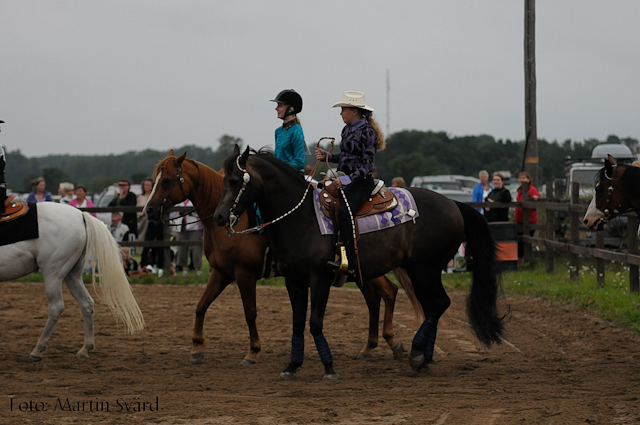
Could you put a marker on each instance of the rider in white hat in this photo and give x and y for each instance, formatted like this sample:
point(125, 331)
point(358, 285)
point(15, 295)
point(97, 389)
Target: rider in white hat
point(361, 138)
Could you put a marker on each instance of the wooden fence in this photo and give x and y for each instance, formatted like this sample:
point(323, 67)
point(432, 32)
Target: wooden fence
point(572, 246)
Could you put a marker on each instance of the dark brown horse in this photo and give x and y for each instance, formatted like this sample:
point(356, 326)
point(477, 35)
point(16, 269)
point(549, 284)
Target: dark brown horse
point(422, 248)
point(242, 257)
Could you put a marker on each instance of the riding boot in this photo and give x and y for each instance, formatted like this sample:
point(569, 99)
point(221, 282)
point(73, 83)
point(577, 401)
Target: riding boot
point(3, 185)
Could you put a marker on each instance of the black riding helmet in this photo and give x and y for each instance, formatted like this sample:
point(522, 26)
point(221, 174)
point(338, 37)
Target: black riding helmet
point(292, 98)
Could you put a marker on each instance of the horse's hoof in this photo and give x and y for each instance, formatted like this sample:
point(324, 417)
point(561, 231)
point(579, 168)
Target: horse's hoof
point(331, 376)
point(417, 361)
point(364, 356)
point(33, 359)
point(398, 351)
point(197, 357)
point(248, 362)
point(82, 356)
point(288, 376)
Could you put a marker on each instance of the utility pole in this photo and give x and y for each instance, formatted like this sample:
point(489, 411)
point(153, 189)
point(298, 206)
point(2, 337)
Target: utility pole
point(530, 162)
point(388, 102)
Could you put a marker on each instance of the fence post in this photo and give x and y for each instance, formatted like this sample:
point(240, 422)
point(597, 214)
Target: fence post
point(550, 214)
point(167, 250)
point(632, 244)
point(574, 259)
point(600, 261)
point(526, 226)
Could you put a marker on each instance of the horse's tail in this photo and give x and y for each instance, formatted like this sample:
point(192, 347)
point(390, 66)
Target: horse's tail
point(405, 281)
point(481, 302)
point(113, 282)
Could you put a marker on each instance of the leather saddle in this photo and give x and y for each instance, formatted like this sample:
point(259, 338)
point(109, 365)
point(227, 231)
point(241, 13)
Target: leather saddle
point(13, 209)
point(382, 199)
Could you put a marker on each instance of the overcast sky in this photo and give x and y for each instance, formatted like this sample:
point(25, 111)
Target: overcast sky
point(102, 77)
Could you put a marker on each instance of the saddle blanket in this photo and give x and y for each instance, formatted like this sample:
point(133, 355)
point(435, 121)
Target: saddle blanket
point(406, 210)
point(20, 229)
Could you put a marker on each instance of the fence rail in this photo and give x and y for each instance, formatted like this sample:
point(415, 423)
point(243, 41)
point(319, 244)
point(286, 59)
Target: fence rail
point(574, 210)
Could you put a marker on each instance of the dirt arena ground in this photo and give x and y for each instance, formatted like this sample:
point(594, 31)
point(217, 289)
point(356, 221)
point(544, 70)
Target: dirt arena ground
point(559, 366)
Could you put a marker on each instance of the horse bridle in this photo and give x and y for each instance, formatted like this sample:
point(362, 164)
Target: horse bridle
point(610, 190)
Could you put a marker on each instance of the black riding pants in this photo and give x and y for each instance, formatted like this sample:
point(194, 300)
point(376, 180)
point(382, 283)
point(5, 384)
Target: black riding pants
point(357, 192)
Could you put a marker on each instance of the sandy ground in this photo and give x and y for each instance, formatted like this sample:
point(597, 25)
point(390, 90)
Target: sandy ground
point(559, 366)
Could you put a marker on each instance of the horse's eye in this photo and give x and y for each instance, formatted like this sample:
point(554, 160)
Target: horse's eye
point(166, 182)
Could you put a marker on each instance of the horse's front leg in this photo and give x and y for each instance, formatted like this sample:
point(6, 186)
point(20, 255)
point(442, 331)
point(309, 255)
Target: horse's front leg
point(372, 298)
point(298, 295)
point(319, 297)
point(247, 285)
point(53, 290)
point(216, 284)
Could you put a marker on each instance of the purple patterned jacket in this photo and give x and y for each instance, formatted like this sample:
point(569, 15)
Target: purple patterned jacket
point(357, 150)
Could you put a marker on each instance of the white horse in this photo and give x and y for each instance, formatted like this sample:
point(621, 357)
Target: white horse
point(66, 236)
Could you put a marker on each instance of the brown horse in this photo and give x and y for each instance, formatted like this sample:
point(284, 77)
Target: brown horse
point(242, 257)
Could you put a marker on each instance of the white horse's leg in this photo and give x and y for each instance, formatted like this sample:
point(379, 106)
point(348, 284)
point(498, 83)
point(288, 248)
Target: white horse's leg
point(53, 289)
point(85, 302)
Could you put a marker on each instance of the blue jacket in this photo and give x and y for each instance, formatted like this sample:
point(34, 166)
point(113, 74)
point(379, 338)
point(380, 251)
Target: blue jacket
point(33, 198)
point(290, 145)
point(477, 194)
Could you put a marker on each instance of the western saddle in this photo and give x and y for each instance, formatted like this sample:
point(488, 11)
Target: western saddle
point(13, 209)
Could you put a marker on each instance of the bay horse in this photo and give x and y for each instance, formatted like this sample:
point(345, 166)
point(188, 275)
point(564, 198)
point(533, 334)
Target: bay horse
point(617, 190)
point(66, 236)
point(242, 258)
point(422, 249)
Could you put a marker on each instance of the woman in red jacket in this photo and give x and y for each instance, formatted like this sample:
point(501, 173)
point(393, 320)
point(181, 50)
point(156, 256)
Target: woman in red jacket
point(533, 214)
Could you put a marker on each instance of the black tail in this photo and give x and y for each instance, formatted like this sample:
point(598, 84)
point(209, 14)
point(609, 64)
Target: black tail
point(481, 302)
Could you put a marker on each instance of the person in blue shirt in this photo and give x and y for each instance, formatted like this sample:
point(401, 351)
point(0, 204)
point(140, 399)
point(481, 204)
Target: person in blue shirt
point(482, 189)
point(290, 145)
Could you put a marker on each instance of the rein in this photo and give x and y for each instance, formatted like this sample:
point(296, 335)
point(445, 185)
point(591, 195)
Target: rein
point(246, 177)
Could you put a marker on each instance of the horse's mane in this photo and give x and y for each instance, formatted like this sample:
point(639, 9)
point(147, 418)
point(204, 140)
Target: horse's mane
point(270, 158)
point(631, 180)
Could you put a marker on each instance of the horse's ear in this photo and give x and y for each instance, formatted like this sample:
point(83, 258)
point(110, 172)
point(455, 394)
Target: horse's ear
point(171, 153)
point(182, 157)
point(611, 159)
point(245, 156)
point(236, 150)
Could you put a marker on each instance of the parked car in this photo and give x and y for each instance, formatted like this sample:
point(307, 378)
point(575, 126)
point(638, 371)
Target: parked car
point(445, 181)
point(106, 196)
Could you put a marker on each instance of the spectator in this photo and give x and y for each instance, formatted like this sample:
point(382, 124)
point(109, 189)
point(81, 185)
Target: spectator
point(66, 192)
point(533, 214)
point(482, 189)
point(118, 229)
point(130, 265)
point(498, 194)
point(141, 201)
point(398, 182)
point(39, 193)
point(124, 198)
point(636, 163)
point(190, 229)
point(81, 200)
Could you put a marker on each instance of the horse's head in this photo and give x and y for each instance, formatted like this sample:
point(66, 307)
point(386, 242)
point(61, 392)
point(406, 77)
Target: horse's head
point(171, 186)
point(610, 197)
point(240, 188)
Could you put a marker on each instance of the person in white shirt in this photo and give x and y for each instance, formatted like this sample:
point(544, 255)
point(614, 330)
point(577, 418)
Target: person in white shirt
point(189, 228)
point(118, 229)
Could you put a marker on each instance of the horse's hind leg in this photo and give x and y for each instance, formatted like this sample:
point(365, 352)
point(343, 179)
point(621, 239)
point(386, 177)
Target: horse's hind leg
point(85, 302)
point(216, 284)
point(53, 290)
point(373, 291)
point(435, 301)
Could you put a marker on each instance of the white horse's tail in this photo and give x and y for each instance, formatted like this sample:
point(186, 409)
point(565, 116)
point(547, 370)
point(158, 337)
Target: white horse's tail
point(113, 283)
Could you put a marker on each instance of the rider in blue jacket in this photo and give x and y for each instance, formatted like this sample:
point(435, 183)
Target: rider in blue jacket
point(290, 145)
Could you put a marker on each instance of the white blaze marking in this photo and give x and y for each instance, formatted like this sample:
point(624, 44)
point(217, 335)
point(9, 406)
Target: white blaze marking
point(152, 192)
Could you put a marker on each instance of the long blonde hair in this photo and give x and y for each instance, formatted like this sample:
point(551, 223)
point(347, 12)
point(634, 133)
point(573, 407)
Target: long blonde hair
point(380, 143)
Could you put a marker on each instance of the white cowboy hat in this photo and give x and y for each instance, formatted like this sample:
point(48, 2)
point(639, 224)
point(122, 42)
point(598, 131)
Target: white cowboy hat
point(353, 99)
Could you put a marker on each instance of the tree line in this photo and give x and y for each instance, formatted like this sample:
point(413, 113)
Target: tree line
point(408, 154)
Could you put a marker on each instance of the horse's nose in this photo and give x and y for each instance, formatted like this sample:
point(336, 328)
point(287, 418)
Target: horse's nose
point(220, 219)
point(586, 222)
point(152, 212)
